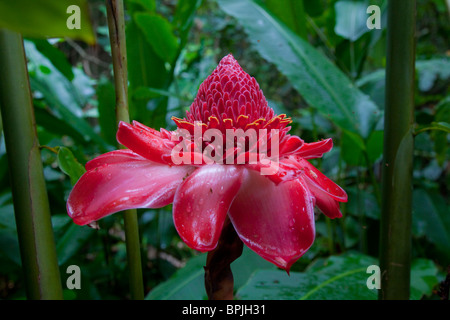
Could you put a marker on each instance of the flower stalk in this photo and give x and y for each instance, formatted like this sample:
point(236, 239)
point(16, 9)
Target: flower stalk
point(116, 25)
point(219, 282)
point(395, 237)
point(31, 206)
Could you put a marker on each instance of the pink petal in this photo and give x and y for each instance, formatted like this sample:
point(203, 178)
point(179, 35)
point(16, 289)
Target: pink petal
point(117, 156)
point(275, 221)
point(315, 149)
point(201, 204)
point(321, 181)
point(144, 142)
point(116, 186)
point(324, 202)
point(293, 144)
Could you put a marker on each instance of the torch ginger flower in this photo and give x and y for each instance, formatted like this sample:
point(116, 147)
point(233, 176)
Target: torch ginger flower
point(272, 212)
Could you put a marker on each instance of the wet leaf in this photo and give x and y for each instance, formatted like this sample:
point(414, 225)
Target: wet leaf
point(316, 78)
point(46, 19)
point(69, 165)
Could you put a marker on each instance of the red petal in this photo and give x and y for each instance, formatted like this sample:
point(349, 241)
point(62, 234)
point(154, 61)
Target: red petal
point(144, 142)
point(324, 202)
point(315, 149)
point(112, 157)
point(275, 221)
point(321, 181)
point(117, 186)
point(201, 204)
point(292, 145)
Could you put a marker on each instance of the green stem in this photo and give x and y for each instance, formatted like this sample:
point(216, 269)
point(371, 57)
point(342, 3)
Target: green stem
point(395, 236)
point(31, 206)
point(116, 25)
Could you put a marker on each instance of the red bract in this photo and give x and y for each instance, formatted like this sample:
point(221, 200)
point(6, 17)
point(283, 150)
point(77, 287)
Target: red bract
point(272, 214)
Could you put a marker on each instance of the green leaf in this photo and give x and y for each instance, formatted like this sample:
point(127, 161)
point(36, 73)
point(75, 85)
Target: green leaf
point(186, 284)
point(291, 13)
point(431, 219)
point(65, 98)
point(353, 148)
point(158, 32)
point(442, 126)
point(47, 19)
point(318, 80)
point(69, 165)
point(334, 278)
point(375, 146)
point(184, 17)
point(149, 5)
point(145, 69)
point(440, 137)
point(106, 96)
point(423, 278)
point(246, 264)
point(431, 70)
point(351, 19)
point(56, 56)
point(72, 241)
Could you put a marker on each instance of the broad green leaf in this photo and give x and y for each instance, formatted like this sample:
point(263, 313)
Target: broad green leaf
point(351, 19)
point(184, 17)
point(186, 284)
point(353, 148)
point(375, 146)
point(48, 18)
point(159, 34)
point(56, 126)
point(431, 70)
point(56, 56)
point(69, 165)
point(65, 98)
point(246, 264)
point(72, 241)
point(334, 278)
point(106, 96)
point(291, 13)
point(316, 78)
point(9, 245)
point(145, 69)
point(149, 5)
point(362, 202)
point(423, 278)
point(431, 219)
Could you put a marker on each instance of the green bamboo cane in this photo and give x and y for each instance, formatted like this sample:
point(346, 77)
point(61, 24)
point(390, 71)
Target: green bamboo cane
point(116, 25)
point(31, 207)
point(395, 236)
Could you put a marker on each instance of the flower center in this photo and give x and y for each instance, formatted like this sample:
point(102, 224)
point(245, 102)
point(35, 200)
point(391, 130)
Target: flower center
point(230, 102)
point(231, 99)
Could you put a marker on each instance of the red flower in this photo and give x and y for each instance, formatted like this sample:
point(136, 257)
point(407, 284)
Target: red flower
point(262, 181)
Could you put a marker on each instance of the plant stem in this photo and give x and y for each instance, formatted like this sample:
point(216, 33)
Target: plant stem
point(395, 237)
point(116, 25)
point(219, 282)
point(31, 206)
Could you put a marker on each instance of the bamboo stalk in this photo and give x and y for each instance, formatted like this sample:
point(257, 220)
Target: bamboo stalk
point(116, 25)
point(395, 236)
point(31, 206)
